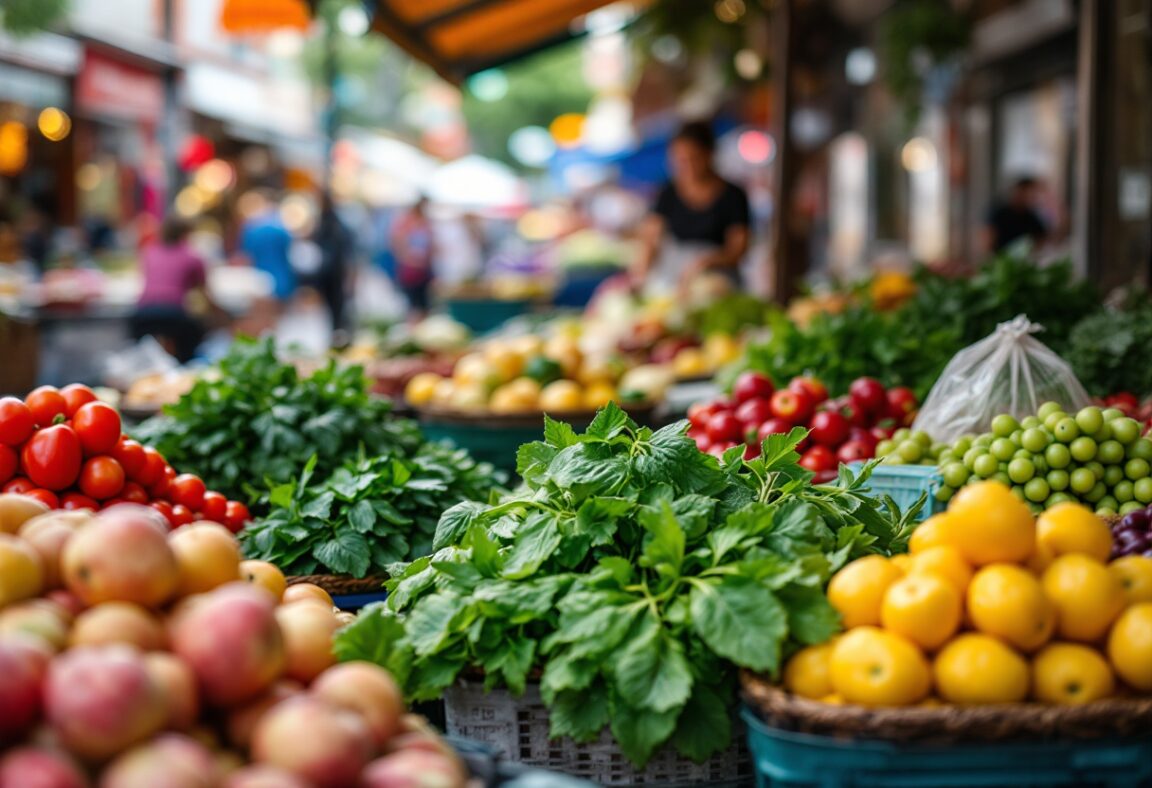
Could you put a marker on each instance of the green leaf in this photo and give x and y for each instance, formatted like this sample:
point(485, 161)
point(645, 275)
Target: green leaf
point(281, 495)
point(811, 618)
point(640, 731)
point(741, 620)
point(597, 518)
point(779, 449)
point(532, 459)
point(797, 529)
point(375, 636)
point(579, 715)
point(565, 672)
point(455, 522)
point(559, 434)
point(537, 540)
point(665, 542)
point(651, 671)
point(346, 553)
point(485, 553)
point(432, 622)
point(705, 725)
point(587, 470)
point(362, 516)
point(319, 507)
point(670, 456)
point(609, 422)
point(513, 660)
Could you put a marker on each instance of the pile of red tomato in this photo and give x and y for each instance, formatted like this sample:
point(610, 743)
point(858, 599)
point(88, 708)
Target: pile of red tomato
point(67, 449)
point(841, 430)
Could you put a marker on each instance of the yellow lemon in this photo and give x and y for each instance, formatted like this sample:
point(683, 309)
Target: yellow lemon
point(1088, 597)
point(989, 525)
point(561, 396)
point(924, 608)
point(872, 667)
point(857, 590)
point(808, 673)
point(1072, 528)
point(1007, 601)
point(1130, 646)
point(421, 388)
point(928, 533)
point(1071, 674)
point(944, 561)
point(597, 395)
point(1135, 574)
point(976, 669)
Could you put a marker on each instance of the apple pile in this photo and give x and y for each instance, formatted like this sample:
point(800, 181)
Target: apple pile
point(840, 430)
point(67, 449)
point(132, 656)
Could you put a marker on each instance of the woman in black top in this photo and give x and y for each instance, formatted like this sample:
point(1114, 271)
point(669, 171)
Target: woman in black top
point(699, 223)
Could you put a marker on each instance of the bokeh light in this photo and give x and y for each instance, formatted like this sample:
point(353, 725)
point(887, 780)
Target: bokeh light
point(54, 123)
point(13, 146)
point(755, 147)
point(215, 176)
point(489, 86)
point(918, 155)
point(532, 146)
point(567, 129)
point(729, 10)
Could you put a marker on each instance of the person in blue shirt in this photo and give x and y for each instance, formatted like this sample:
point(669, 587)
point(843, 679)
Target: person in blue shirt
point(266, 242)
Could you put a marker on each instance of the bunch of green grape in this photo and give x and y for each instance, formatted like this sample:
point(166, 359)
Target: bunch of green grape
point(1095, 457)
point(906, 447)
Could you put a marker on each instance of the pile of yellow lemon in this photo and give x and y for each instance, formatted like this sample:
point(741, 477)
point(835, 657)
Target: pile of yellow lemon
point(990, 605)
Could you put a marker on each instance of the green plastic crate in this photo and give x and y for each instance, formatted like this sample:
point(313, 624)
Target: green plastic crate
point(482, 315)
point(905, 484)
point(785, 759)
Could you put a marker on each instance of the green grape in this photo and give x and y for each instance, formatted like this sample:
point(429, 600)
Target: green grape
point(1034, 440)
point(1058, 456)
point(983, 441)
point(1018, 491)
point(1058, 498)
point(1037, 490)
point(1124, 492)
point(1108, 502)
point(955, 474)
point(1097, 469)
point(1066, 430)
point(1113, 475)
point(1003, 449)
point(971, 456)
point(1130, 506)
point(1057, 480)
point(1021, 470)
point(945, 493)
point(1110, 452)
point(1082, 480)
point(910, 451)
point(1111, 414)
point(1029, 422)
point(884, 448)
point(1090, 419)
point(1104, 433)
point(1097, 493)
point(1137, 469)
point(962, 445)
point(1126, 430)
point(1140, 450)
point(985, 466)
point(1083, 449)
point(902, 435)
point(1142, 489)
point(1004, 425)
point(923, 438)
point(1047, 409)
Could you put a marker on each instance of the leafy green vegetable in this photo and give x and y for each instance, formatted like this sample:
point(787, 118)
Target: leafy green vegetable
point(367, 515)
point(635, 572)
point(259, 420)
point(1108, 350)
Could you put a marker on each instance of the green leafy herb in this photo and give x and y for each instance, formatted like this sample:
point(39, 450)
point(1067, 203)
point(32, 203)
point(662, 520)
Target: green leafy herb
point(635, 573)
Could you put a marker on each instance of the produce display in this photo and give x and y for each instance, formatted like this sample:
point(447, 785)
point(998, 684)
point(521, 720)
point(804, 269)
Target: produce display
point(1095, 456)
point(1132, 534)
point(67, 450)
point(637, 573)
point(842, 430)
point(135, 657)
point(910, 447)
point(992, 605)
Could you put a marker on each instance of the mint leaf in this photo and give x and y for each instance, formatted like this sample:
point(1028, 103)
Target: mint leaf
point(705, 725)
point(651, 671)
point(640, 731)
point(579, 715)
point(811, 618)
point(558, 434)
point(609, 422)
point(362, 516)
point(534, 544)
point(375, 636)
point(532, 459)
point(741, 620)
point(597, 518)
point(455, 522)
point(665, 543)
point(346, 553)
point(433, 622)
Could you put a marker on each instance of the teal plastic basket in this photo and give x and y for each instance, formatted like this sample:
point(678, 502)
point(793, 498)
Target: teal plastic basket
point(785, 759)
point(905, 484)
point(482, 315)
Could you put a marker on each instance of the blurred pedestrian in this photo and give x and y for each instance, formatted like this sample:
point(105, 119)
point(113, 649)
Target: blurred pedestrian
point(699, 222)
point(337, 252)
point(266, 242)
point(413, 248)
point(1015, 218)
point(172, 272)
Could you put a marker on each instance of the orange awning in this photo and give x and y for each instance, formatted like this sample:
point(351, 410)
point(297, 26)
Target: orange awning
point(462, 37)
point(241, 17)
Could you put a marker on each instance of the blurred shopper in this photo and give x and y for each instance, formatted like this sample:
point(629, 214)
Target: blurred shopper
point(413, 248)
point(266, 242)
point(1016, 218)
point(172, 272)
point(699, 222)
point(337, 251)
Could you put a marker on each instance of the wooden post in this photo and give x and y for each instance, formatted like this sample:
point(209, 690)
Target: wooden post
point(790, 253)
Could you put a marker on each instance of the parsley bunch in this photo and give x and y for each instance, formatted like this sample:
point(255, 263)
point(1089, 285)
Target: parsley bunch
point(636, 573)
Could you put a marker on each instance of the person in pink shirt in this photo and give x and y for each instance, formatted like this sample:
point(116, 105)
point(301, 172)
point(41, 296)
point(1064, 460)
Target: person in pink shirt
point(171, 271)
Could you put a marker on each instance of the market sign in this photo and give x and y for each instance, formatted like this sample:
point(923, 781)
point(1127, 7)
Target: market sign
point(108, 87)
point(263, 16)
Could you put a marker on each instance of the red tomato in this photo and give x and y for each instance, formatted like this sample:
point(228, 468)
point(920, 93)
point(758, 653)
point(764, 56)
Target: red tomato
point(16, 421)
point(773, 427)
point(725, 428)
point(153, 467)
point(754, 412)
point(868, 395)
point(111, 502)
point(855, 451)
point(134, 493)
point(46, 497)
point(19, 485)
point(46, 403)
point(752, 451)
point(98, 426)
point(811, 386)
point(101, 477)
point(187, 489)
point(823, 477)
point(164, 508)
point(214, 507)
point(703, 442)
point(700, 412)
point(752, 385)
point(75, 396)
point(181, 515)
point(793, 406)
point(130, 455)
point(73, 501)
point(829, 428)
point(236, 516)
point(819, 458)
point(8, 463)
point(52, 457)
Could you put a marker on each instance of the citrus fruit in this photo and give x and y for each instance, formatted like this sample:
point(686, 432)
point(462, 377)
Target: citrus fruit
point(1072, 528)
point(988, 524)
point(808, 672)
point(876, 668)
point(561, 396)
point(857, 590)
point(1040, 559)
point(421, 388)
point(599, 394)
point(1087, 597)
point(1008, 602)
point(1135, 574)
point(1071, 673)
point(903, 562)
point(924, 608)
point(976, 668)
point(1130, 646)
point(928, 533)
point(944, 561)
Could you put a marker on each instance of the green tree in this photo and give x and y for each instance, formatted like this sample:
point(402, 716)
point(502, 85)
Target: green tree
point(25, 17)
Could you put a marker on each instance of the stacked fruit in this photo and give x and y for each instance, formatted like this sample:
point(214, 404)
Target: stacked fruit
point(1096, 457)
point(990, 606)
point(135, 657)
point(841, 430)
point(67, 449)
point(1132, 534)
point(906, 447)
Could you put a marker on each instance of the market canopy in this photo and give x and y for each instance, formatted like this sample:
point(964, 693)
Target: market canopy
point(462, 37)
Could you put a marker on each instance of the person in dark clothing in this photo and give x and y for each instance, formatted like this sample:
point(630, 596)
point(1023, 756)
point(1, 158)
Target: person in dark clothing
point(699, 222)
point(1015, 218)
point(337, 250)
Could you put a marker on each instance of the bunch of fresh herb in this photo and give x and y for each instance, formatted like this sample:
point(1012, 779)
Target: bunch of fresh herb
point(367, 515)
point(637, 573)
point(1108, 350)
point(258, 420)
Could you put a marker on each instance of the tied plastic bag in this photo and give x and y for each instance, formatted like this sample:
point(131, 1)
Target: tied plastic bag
point(1008, 372)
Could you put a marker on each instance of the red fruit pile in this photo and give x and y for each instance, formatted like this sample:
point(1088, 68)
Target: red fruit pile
point(841, 430)
point(67, 449)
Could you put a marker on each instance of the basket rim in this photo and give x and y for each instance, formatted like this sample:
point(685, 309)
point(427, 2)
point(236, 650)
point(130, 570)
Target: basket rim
point(533, 419)
point(341, 584)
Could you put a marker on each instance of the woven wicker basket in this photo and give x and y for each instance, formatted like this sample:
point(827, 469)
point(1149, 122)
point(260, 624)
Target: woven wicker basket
point(342, 585)
point(1115, 718)
point(518, 726)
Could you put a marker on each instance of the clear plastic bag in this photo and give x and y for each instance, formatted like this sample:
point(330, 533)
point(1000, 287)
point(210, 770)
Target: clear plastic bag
point(1009, 371)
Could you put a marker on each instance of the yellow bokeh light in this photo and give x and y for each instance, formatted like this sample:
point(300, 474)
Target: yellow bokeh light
point(88, 177)
point(13, 146)
point(189, 202)
point(918, 155)
point(729, 11)
point(567, 129)
point(215, 176)
point(54, 123)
